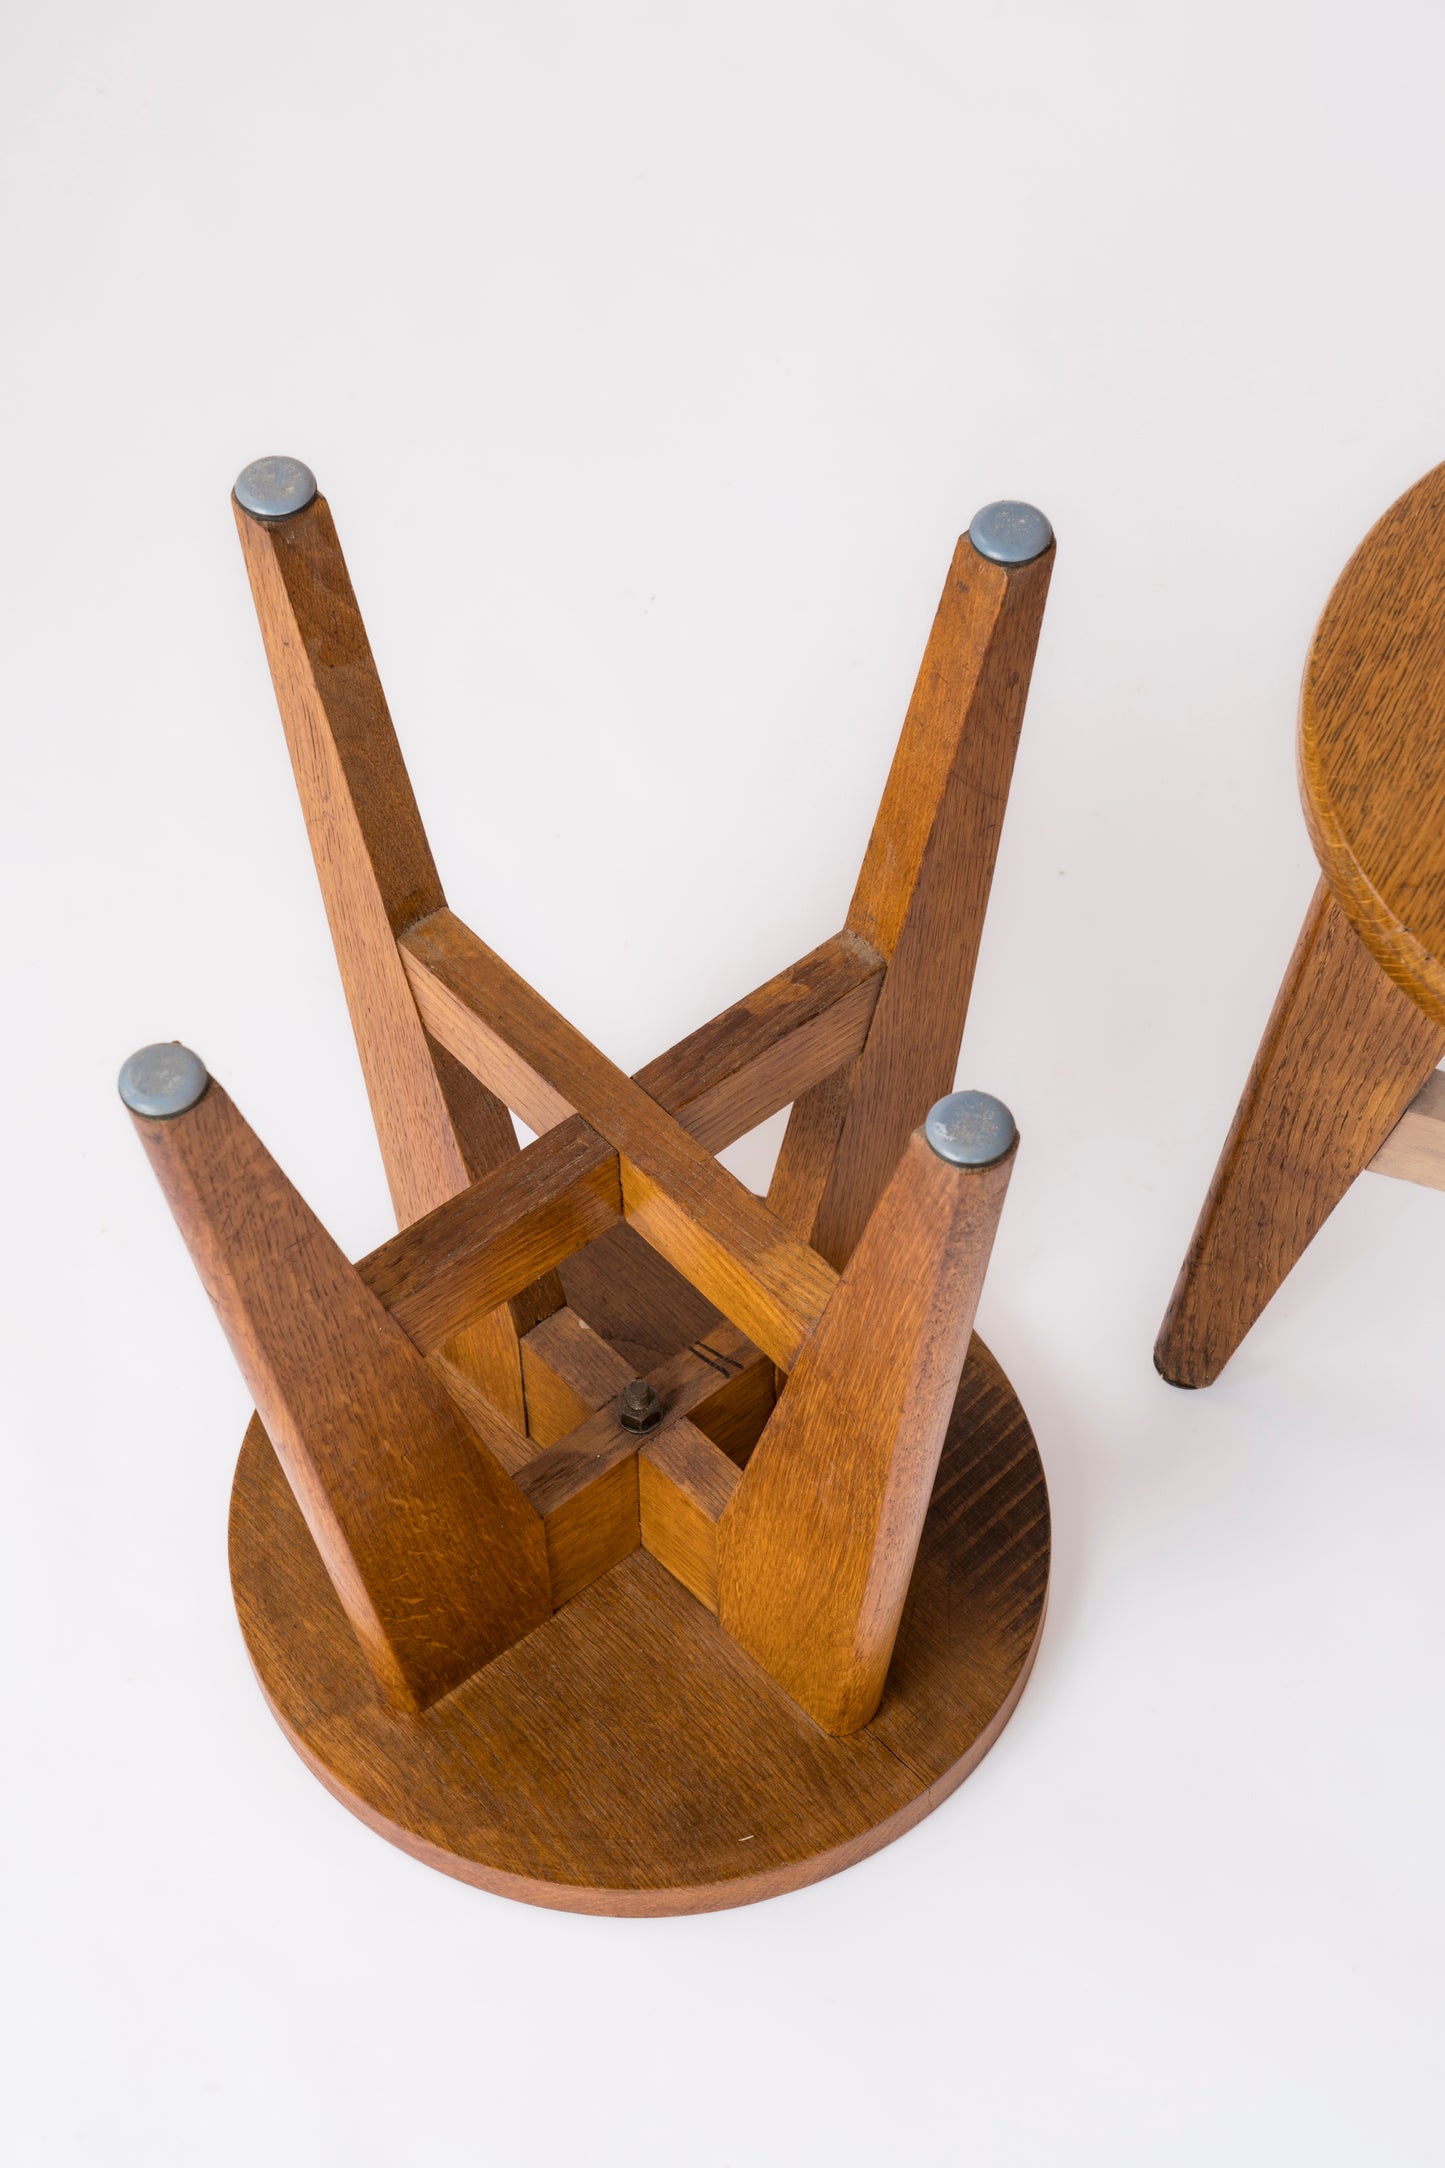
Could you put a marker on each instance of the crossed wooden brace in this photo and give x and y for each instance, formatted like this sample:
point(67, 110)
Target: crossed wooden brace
point(449, 1426)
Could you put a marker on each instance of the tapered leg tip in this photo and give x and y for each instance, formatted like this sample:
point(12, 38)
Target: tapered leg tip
point(1187, 1371)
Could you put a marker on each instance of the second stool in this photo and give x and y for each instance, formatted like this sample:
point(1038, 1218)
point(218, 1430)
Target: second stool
point(1347, 1074)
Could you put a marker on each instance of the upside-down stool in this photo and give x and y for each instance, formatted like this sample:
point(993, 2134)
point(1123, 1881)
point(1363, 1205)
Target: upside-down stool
point(611, 1537)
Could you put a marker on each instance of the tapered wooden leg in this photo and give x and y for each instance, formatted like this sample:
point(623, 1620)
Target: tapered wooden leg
point(1343, 1054)
point(921, 897)
point(438, 1561)
point(816, 1547)
point(438, 1128)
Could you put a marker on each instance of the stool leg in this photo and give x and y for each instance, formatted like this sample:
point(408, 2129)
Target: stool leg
point(1343, 1054)
point(438, 1128)
point(921, 898)
point(438, 1561)
point(817, 1544)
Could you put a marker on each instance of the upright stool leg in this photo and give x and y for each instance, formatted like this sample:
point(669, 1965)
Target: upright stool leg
point(438, 1561)
point(817, 1545)
point(1343, 1054)
point(923, 890)
point(438, 1128)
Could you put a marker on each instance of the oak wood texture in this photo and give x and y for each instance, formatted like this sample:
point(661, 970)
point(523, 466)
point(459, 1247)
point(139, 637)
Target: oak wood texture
point(541, 1205)
point(817, 1544)
point(436, 1560)
point(735, 1410)
point(437, 1128)
point(584, 1486)
point(509, 1447)
point(561, 1716)
point(570, 1371)
point(1359, 1024)
point(1372, 742)
point(1414, 1151)
point(635, 1299)
point(674, 1193)
point(684, 1484)
point(494, 1237)
point(584, 1491)
point(1343, 1054)
point(628, 1757)
point(921, 898)
point(772, 1047)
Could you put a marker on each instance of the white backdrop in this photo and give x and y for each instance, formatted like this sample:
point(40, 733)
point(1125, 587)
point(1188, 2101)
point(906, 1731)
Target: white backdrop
point(652, 357)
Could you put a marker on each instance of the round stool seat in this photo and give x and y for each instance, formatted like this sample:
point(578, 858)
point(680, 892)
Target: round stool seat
point(1372, 742)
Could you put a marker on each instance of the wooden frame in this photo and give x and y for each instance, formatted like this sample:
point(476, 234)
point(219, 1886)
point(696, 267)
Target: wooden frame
point(446, 1575)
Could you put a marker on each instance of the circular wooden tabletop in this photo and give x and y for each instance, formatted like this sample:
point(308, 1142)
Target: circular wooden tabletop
point(1372, 742)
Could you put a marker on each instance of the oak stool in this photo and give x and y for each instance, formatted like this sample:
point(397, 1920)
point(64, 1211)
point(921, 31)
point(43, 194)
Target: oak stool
point(611, 1537)
point(1347, 1075)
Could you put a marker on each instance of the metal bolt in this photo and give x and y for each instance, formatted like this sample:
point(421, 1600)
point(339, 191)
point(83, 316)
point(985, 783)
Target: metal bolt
point(162, 1080)
point(639, 1407)
point(273, 488)
point(971, 1129)
point(1009, 533)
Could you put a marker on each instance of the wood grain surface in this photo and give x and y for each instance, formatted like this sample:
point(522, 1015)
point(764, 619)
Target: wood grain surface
point(771, 1047)
point(684, 1485)
point(817, 1544)
point(584, 1485)
point(627, 1757)
point(570, 1372)
point(674, 1193)
point(492, 1238)
point(593, 1737)
point(1343, 1054)
point(540, 1206)
point(438, 1128)
point(435, 1556)
point(1372, 742)
point(1359, 1025)
point(921, 899)
point(636, 1299)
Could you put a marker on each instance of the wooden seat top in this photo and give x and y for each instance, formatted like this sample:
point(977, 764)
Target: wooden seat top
point(1372, 742)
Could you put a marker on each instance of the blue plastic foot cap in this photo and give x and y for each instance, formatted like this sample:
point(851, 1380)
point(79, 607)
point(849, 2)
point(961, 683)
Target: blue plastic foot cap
point(971, 1129)
point(160, 1081)
point(274, 488)
point(1009, 533)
